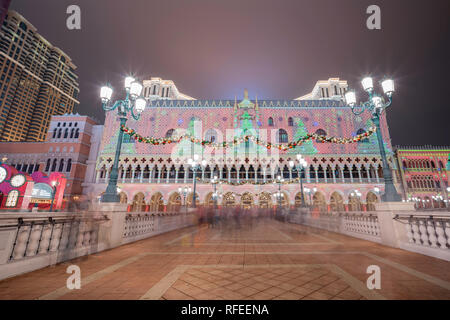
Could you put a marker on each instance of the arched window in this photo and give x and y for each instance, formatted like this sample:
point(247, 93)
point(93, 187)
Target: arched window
point(54, 165)
point(66, 133)
point(59, 133)
point(54, 133)
point(169, 133)
point(71, 133)
point(47, 166)
point(321, 132)
point(77, 133)
point(61, 165)
point(270, 122)
point(69, 165)
point(211, 135)
point(282, 136)
point(290, 122)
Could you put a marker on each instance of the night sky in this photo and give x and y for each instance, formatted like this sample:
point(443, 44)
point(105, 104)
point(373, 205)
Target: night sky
point(278, 49)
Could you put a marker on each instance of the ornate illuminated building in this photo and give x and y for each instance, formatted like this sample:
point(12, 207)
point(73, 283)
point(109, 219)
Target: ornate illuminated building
point(150, 174)
point(37, 80)
point(424, 174)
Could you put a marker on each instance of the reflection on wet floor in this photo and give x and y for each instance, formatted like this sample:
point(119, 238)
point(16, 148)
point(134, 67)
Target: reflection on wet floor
point(249, 256)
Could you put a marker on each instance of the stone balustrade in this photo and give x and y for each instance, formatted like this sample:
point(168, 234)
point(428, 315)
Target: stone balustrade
point(397, 225)
point(33, 241)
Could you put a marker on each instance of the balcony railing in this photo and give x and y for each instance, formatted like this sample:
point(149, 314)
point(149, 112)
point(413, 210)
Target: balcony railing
point(235, 180)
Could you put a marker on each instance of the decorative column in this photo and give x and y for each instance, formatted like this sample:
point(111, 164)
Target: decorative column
point(107, 175)
point(176, 174)
point(142, 175)
point(376, 174)
point(229, 175)
point(317, 175)
point(368, 174)
point(133, 171)
point(167, 176)
point(325, 174)
point(351, 173)
point(221, 173)
point(186, 174)
point(264, 175)
point(359, 174)
point(159, 175)
point(342, 174)
point(334, 174)
point(290, 173)
point(246, 174)
point(150, 175)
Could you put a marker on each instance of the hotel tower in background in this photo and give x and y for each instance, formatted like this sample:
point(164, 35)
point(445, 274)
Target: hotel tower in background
point(37, 80)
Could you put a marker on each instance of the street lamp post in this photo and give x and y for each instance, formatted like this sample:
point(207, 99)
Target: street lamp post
point(280, 180)
point(184, 192)
point(54, 184)
point(214, 182)
point(301, 165)
point(132, 103)
point(356, 194)
point(195, 166)
point(376, 105)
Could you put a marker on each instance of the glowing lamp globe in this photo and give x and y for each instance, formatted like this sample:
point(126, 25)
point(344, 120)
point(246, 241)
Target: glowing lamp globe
point(388, 87)
point(140, 104)
point(350, 98)
point(106, 93)
point(128, 82)
point(367, 84)
point(135, 89)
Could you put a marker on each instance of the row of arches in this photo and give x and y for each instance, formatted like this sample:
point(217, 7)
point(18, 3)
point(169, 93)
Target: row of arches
point(258, 172)
point(248, 200)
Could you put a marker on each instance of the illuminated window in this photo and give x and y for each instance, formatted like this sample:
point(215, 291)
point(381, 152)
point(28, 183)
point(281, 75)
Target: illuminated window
point(12, 199)
point(270, 122)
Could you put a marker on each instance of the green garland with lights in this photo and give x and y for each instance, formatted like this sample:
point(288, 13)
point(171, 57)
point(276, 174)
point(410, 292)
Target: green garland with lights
point(238, 140)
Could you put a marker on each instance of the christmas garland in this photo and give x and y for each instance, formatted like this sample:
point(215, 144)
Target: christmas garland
point(236, 141)
point(240, 183)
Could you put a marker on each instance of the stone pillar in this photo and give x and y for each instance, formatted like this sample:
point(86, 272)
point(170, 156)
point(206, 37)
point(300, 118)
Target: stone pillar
point(342, 174)
point(229, 175)
point(376, 174)
point(167, 176)
point(107, 175)
point(316, 174)
point(368, 174)
point(359, 174)
point(133, 171)
point(159, 175)
point(334, 174)
point(176, 175)
point(142, 175)
point(264, 175)
point(386, 211)
point(150, 175)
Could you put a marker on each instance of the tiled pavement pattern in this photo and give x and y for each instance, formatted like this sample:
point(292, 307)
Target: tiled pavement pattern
point(260, 284)
point(265, 260)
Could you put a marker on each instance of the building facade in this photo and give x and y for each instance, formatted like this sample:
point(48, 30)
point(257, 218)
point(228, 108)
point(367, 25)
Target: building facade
point(37, 80)
point(339, 176)
point(66, 150)
point(424, 175)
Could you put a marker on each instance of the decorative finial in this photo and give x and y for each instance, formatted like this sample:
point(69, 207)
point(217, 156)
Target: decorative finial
point(246, 94)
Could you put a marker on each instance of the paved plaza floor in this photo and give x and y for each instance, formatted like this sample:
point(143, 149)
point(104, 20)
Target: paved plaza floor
point(263, 260)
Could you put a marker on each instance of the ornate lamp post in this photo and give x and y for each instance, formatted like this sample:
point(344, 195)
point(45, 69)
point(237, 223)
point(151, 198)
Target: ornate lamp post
point(376, 105)
point(195, 166)
point(184, 192)
point(132, 103)
point(301, 165)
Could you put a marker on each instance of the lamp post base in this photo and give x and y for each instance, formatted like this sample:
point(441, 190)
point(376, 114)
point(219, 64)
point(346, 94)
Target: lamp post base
point(108, 198)
point(391, 194)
